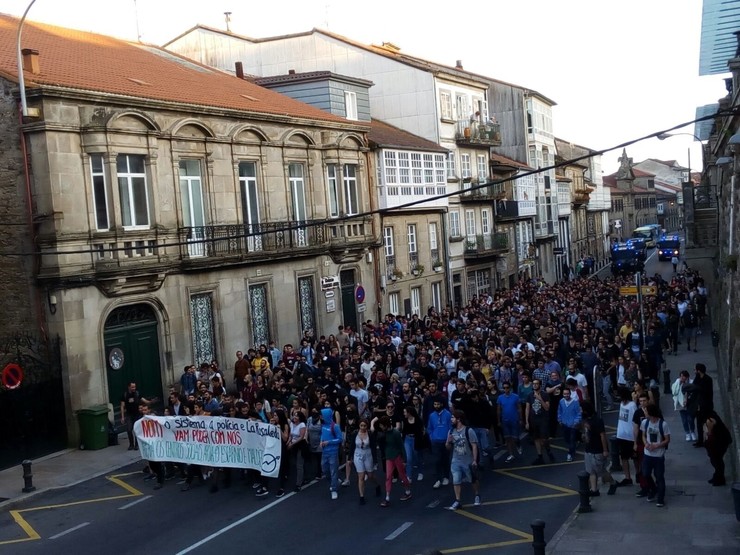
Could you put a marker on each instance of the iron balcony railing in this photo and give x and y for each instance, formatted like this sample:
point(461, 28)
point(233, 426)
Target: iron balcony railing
point(242, 240)
point(487, 244)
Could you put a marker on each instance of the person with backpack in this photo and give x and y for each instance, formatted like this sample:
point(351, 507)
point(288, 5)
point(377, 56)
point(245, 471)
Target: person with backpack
point(656, 436)
point(718, 439)
point(690, 321)
point(463, 443)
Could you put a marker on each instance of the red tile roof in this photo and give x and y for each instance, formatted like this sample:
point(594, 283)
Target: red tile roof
point(90, 62)
point(383, 134)
point(500, 160)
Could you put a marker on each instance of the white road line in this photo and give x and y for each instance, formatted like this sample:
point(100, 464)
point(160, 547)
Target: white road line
point(60, 534)
point(400, 530)
point(433, 504)
point(241, 521)
point(139, 500)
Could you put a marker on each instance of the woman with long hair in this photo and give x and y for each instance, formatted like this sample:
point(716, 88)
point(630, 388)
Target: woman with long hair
point(362, 452)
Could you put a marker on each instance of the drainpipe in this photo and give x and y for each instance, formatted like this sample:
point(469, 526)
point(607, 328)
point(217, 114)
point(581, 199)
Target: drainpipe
point(446, 243)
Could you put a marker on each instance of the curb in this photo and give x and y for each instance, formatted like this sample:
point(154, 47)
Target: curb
point(553, 543)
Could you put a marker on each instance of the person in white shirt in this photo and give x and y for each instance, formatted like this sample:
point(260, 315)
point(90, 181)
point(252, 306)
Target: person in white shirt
point(362, 398)
point(656, 435)
point(367, 367)
point(626, 433)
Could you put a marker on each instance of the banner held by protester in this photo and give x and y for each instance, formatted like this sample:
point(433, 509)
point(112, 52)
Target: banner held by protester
point(210, 441)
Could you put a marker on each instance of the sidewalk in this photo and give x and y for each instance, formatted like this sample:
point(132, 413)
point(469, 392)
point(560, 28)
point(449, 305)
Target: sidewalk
point(697, 518)
point(65, 468)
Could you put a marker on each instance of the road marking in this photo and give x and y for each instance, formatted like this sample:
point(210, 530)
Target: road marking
point(533, 498)
point(244, 519)
point(33, 535)
point(433, 504)
point(484, 546)
point(128, 505)
point(497, 525)
point(537, 482)
point(60, 534)
point(398, 531)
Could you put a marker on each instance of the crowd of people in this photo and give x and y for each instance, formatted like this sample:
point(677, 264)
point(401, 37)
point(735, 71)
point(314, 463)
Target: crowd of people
point(426, 400)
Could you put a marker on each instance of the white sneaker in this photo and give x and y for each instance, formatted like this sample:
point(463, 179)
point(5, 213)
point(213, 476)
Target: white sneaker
point(445, 482)
point(688, 437)
point(568, 458)
point(455, 506)
point(477, 501)
point(345, 483)
point(437, 485)
point(334, 495)
point(509, 458)
point(420, 477)
point(519, 449)
point(693, 436)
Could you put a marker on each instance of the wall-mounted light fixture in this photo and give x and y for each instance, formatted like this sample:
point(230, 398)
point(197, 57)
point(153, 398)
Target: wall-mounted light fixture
point(52, 301)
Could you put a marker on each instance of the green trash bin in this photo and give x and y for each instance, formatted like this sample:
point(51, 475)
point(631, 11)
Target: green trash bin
point(93, 427)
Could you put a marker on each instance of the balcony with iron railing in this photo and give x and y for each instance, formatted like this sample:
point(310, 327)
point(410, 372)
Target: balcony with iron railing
point(490, 244)
point(253, 241)
point(472, 192)
point(477, 132)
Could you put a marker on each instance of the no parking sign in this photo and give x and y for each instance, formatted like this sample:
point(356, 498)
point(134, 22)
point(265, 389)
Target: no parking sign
point(11, 376)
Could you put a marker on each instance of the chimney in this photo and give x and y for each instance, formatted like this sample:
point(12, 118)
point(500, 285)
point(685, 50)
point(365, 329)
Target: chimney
point(291, 72)
point(458, 64)
point(31, 61)
point(239, 70)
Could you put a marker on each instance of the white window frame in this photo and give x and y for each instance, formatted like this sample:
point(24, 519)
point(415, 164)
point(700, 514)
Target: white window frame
point(388, 241)
point(332, 190)
point(411, 235)
point(98, 178)
point(465, 168)
point(126, 188)
point(451, 165)
point(350, 190)
point(350, 105)
point(416, 301)
point(190, 185)
point(394, 303)
point(485, 221)
point(454, 219)
point(445, 105)
point(390, 163)
point(482, 168)
point(437, 295)
point(470, 224)
point(298, 183)
point(433, 236)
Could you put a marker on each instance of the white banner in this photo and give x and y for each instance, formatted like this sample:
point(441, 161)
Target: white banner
point(210, 441)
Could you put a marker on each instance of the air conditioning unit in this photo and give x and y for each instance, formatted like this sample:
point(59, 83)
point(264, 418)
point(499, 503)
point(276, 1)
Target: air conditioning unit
point(369, 258)
point(329, 282)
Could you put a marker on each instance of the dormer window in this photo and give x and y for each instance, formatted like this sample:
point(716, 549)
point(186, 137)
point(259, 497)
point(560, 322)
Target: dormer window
point(350, 105)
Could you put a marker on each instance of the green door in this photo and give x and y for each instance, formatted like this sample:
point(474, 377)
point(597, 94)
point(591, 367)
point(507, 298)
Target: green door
point(349, 308)
point(132, 353)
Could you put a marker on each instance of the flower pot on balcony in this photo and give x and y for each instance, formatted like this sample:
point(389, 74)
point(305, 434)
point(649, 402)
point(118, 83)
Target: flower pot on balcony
point(415, 272)
point(466, 132)
point(437, 268)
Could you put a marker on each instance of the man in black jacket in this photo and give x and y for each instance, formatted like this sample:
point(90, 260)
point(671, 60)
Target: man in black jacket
point(701, 400)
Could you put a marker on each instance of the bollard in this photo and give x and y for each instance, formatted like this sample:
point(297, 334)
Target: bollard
point(538, 537)
point(583, 492)
point(614, 451)
point(667, 382)
point(27, 477)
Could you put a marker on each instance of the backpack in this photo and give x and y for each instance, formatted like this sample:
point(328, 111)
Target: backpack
point(643, 429)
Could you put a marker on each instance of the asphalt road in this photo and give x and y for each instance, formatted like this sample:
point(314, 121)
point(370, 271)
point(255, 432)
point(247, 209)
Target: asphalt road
point(122, 514)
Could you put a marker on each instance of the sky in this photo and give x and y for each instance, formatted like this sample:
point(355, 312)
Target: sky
point(617, 70)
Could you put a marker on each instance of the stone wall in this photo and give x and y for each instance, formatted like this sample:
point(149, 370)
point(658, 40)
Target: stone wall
point(17, 294)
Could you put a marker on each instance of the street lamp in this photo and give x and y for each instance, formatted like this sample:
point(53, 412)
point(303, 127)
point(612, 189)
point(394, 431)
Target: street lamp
point(21, 79)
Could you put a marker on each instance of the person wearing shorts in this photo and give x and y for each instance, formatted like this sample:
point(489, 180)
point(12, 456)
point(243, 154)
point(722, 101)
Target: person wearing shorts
point(463, 444)
point(537, 412)
point(596, 451)
point(362, 452)
point(509, 417)
point(626, 434)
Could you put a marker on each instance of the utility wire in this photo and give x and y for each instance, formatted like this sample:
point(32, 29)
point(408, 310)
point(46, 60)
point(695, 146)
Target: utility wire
point(382, 211)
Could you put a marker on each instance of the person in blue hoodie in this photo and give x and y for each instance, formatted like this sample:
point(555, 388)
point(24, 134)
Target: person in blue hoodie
point(438, 427)
point(331, 440)
point(569, 417)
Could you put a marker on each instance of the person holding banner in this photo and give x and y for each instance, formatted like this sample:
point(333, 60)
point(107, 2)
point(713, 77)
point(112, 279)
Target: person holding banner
point(331, 441)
